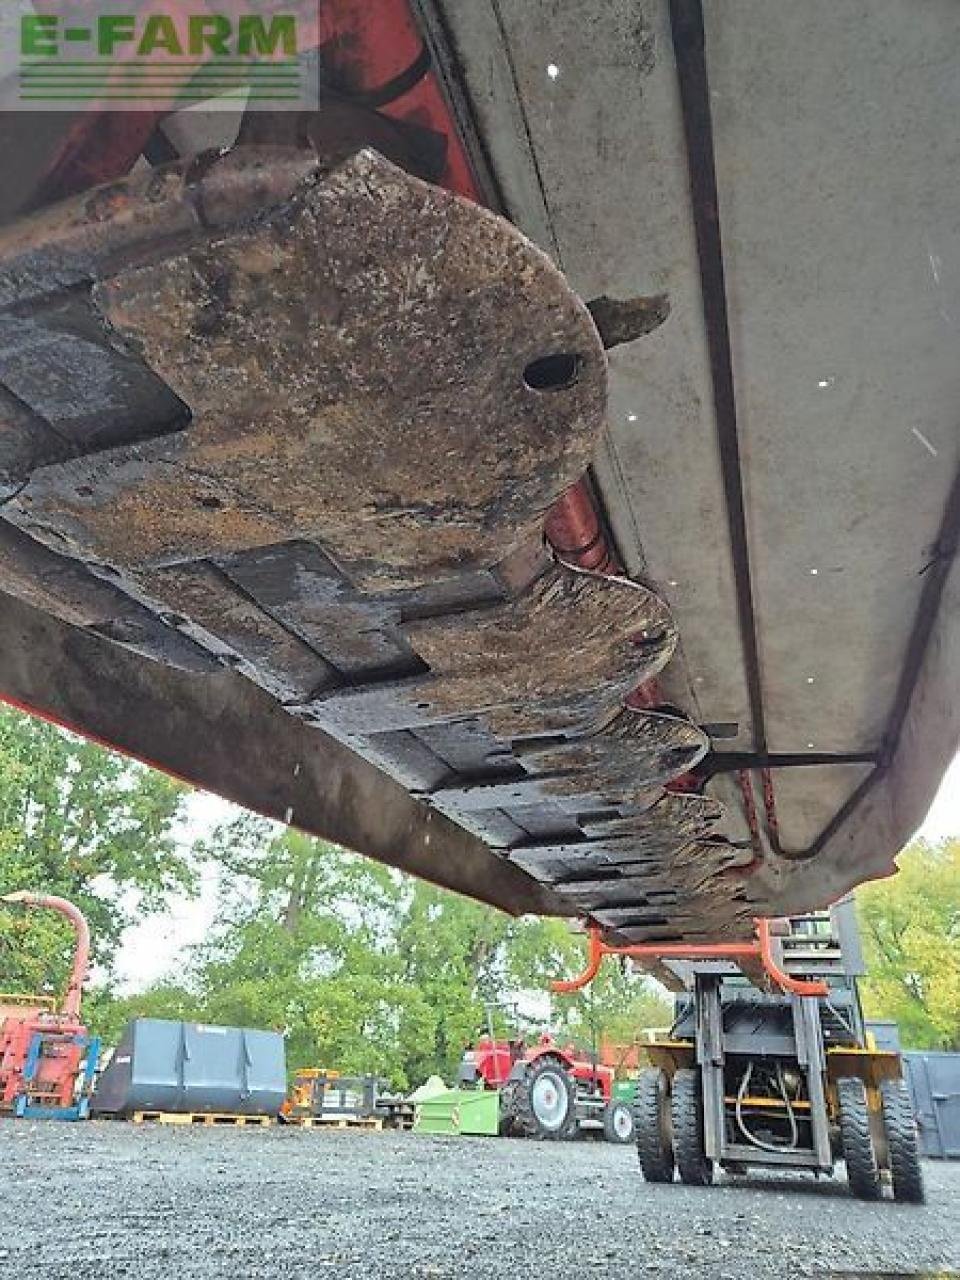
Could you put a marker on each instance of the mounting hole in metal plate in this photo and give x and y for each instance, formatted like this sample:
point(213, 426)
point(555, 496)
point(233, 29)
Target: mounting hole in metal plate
point(554, 372)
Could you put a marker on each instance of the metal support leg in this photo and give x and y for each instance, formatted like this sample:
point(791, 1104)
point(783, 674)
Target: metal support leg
point(811, 1058)
point(709, 1015)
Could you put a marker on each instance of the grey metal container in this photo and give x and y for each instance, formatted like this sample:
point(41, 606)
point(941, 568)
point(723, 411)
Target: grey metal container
point(192, 1066)
point(886, 1033)
point(934, 1081)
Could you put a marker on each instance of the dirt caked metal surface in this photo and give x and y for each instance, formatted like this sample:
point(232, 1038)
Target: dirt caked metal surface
point(303, 421)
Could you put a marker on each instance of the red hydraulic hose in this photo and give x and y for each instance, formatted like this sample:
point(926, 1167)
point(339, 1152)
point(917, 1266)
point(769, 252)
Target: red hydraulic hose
point(81, 955)
point(596, 950)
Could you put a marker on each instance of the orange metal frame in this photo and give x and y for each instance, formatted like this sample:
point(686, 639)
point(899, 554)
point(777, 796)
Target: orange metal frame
point(761, 949)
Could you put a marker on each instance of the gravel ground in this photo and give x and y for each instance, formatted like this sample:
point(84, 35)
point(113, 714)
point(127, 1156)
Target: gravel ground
point(119, 1201)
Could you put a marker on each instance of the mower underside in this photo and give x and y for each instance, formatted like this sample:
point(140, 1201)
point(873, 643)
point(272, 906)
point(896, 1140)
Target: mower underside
point(280, 430)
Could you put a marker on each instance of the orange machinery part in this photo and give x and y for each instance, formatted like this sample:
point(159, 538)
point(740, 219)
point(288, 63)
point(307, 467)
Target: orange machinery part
point(761, 949)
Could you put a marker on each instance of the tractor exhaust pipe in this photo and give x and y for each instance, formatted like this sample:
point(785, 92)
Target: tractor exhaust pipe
point(81, 956)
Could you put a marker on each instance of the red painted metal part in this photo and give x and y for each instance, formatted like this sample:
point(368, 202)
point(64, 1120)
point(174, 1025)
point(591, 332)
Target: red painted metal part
point(794, 985)
point(364, 46)
point(494, 1060)
point(26, 1017)
point(103, 144)
point(368, 45)
point(100, 146)
point(57, 1068)
point(745, 783)
point(574, 531)
point(761, 949)
point(770, 809)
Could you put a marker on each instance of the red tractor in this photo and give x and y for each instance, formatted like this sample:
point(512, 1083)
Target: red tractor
point(546, 1091)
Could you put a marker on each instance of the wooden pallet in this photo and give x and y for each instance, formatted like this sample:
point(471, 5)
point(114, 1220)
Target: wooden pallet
point(336, 1122)
point(400, 1113)
point(200, 1117)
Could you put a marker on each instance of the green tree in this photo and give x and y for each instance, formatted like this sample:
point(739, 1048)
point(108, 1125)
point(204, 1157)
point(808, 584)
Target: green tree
point(106, 1014)
point(305, 945)
point(474, 967)
point(911, 932)
point(618, 1006)
point(369, 970)
point(452, 955)
point(87, 824)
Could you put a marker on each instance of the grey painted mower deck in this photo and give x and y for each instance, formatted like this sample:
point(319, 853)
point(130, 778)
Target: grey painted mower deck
point(838, 196)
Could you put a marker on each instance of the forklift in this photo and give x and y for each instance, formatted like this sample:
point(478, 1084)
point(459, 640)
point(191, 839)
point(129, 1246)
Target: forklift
point(768, 1063)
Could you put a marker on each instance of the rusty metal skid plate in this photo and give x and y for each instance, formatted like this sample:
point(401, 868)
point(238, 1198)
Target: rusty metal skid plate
point(302, 420)
point(354, 364)
point(634, 752)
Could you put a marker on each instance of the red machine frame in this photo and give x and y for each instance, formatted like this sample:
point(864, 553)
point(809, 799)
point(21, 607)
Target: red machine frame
point(41, 1050)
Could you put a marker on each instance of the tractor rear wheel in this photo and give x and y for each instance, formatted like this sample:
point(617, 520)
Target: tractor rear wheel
point(545, 1098)
point(686, 1111)
point(863, 1171)
point(900, 1128)
point(651, 1118)
point(617, 1122)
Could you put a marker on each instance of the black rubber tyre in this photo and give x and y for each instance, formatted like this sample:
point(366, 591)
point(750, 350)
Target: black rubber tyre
point(863, 1171)
point(900, 1128)
point(686, 1111)
point(617, 1123)
point(651, 1122)
point(508, 1110)
point(543, 1076)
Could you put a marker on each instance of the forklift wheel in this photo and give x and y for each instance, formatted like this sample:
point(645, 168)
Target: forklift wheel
point(651, 1121)
point(686, 1109)
point(900, 1128)
point(863, 1173)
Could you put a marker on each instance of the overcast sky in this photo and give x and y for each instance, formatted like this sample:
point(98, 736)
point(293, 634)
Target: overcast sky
point(154, 948)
